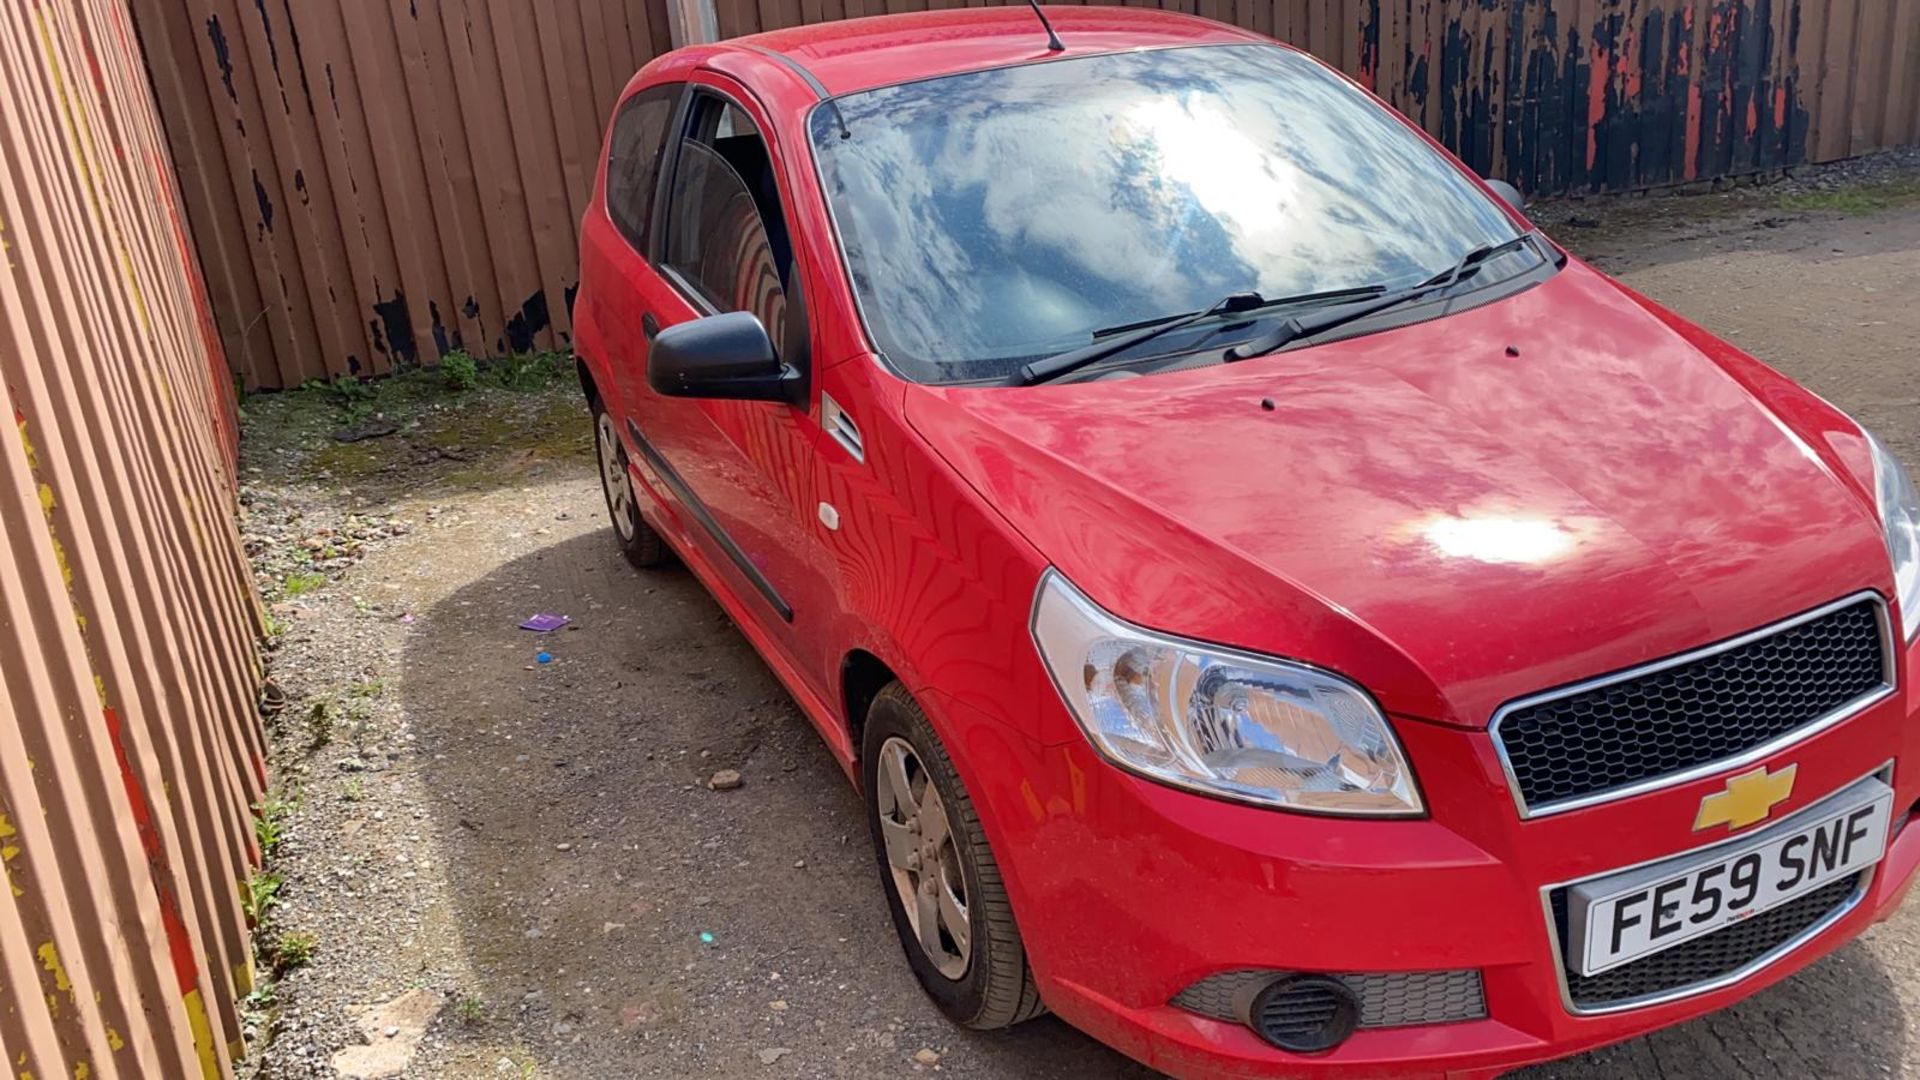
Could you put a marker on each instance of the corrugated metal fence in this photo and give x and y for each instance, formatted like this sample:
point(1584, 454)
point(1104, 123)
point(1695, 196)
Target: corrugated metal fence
point(374, 183)
point(129, 751)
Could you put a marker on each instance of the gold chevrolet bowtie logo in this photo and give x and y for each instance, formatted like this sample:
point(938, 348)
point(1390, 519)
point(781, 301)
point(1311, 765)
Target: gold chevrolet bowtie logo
point(1749, 797)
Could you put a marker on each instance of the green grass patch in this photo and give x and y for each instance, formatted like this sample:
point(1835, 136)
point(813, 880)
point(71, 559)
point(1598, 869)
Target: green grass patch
point(469, 423)
point(530, 371)
point(1855, 201)
point(301, 582)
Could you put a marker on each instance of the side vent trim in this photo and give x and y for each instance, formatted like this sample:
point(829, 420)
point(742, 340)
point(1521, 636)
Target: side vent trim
point(841, 427)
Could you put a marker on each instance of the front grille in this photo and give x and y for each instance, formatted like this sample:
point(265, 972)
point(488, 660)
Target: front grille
point(1387, 999)
point(1703, 959)
point(1700, 710)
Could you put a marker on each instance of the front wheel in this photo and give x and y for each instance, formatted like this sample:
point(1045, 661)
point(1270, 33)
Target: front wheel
point(638, 542)
point(943, 888)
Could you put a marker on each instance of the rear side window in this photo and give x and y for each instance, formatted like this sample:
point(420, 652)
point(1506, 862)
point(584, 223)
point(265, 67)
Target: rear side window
point(726, 236)
point(633, 159)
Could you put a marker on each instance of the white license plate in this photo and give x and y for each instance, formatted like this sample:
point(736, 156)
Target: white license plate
point(1625, 916)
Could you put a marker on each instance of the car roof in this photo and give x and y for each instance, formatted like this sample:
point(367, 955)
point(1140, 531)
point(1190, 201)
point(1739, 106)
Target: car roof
point(858, 54)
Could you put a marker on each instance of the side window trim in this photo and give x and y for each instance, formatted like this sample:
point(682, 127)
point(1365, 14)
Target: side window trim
point(660, 224)
point(682, 118)
point(646, 245)
point(663, 183)
point(687, 289)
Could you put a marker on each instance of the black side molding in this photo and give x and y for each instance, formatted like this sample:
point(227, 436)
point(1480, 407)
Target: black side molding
point(705, 517)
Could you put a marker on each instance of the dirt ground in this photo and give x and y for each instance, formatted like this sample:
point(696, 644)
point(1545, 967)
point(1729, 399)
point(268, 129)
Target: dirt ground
point(530, 848)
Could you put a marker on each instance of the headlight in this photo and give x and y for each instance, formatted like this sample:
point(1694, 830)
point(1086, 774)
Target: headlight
point(1900, 516)
point(1217, 721)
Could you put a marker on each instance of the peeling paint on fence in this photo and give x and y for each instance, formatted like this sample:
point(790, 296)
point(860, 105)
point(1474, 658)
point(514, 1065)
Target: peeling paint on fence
point(130, 751)
point(410, 197)
point(424, 192)
point(1581, 95)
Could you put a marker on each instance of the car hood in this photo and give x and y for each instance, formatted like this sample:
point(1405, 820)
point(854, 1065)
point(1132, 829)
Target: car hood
point(1561, 483)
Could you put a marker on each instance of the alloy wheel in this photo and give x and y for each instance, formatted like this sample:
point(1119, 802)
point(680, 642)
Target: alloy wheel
point(613, 477)
point(922, 857)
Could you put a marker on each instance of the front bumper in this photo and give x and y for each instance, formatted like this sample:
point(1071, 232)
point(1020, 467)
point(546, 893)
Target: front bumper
point(1128, 892)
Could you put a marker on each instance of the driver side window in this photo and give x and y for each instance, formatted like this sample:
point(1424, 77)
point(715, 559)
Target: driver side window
point(726, 235)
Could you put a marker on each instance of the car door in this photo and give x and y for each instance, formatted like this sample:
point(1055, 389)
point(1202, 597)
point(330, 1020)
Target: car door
point(740, 471)
point(636, 149)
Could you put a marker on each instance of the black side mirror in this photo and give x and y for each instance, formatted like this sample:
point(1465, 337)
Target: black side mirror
point(1510, 193)
point(722, 356)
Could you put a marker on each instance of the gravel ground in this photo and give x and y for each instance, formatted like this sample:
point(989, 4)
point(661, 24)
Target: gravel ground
point(531, 852)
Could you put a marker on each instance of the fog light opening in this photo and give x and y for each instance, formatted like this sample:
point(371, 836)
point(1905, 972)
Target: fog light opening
point(1305, 1014)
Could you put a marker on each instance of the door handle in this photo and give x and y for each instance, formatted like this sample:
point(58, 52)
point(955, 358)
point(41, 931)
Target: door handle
point(649, 325)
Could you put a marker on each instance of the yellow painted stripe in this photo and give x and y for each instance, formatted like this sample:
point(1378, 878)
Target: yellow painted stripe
point(202, 1035)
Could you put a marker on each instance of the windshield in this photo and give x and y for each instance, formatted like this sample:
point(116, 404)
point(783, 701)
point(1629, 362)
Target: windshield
point(997, 216)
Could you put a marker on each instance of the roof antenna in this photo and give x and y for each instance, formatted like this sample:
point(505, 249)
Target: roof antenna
point(839, 118)
point(1053, 39)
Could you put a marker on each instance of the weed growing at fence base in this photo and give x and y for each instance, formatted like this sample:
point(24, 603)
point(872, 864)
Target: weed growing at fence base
point(459, 371)
point(270, 820)
point(530, 371)
point(258, 895)
point(1855, 201)
point(444, 425)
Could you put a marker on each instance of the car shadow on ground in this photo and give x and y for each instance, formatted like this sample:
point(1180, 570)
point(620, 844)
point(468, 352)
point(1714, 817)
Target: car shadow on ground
point(627, 920)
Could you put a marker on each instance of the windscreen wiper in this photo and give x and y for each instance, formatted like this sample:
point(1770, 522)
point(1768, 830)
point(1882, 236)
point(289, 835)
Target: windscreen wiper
point(1115, 340)
point(1315, 322)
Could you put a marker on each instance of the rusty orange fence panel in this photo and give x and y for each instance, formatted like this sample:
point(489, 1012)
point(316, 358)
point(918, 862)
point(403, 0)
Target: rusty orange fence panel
point(1566, 96)
point(372, 183)
point(130, 754)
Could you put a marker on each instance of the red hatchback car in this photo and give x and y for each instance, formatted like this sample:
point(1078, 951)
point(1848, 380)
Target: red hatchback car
point(1283, 614)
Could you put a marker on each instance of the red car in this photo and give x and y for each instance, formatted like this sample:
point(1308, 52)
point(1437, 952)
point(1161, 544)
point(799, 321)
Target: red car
point(1284, 615)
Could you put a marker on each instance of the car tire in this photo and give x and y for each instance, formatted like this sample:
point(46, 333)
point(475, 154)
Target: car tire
point(638, 542)
point(985, 982)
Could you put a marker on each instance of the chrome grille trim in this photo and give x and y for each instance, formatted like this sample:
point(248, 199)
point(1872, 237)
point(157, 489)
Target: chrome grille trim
point(1888, 661)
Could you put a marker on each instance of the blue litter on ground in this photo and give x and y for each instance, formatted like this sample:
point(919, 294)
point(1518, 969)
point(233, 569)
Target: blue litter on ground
point(545, 658)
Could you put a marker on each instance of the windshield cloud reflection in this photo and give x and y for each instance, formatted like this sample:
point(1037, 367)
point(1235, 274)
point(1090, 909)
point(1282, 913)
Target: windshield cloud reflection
point(994, 216)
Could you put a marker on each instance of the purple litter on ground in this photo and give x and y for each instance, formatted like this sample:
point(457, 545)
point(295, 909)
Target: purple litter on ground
point(544, 623)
